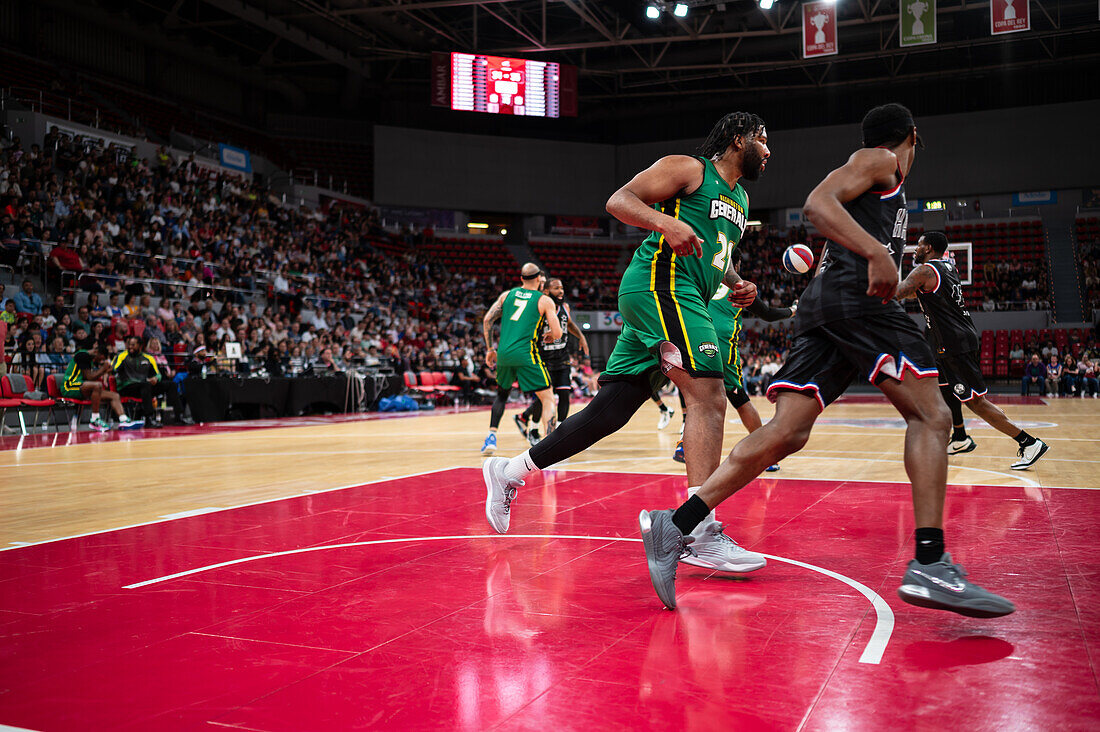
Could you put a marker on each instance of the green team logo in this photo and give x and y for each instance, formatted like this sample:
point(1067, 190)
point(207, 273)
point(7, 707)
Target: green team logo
point(918, 22)
point(708, 349)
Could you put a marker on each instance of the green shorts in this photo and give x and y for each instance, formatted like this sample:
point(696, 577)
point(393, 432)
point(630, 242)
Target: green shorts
point(731, 363)
point(524, 367)
point(72, 394)
point(652, 318)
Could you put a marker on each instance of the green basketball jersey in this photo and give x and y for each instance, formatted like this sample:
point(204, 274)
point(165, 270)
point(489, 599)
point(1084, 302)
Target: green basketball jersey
point(520, 323)
point(718, 214)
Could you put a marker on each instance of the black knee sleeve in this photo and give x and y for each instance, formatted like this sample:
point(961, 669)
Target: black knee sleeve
point(737, 397)
point(498, 407)
point(534, 411)
point(612, 407)
point(953, 404)
point(563, 404)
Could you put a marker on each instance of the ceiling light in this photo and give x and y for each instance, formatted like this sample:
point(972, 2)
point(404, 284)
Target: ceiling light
point(766, 4)
point(681, 10)
point(652, 12)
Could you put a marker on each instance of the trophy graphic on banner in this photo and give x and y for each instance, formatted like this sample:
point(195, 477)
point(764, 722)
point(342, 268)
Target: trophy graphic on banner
point(916, 9)
point(818, 21)
point(1010, 12)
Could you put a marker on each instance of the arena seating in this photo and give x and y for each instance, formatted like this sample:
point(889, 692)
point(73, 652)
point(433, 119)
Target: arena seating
point(477, 256)
point(580, 260)
point(997, 344)
point(1018, 242)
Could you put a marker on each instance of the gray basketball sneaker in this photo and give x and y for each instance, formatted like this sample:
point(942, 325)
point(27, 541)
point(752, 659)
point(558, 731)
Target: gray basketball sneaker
point(500, 492)
point(942, 586)
point(957, 447)
point(713, 549)
point(663, 544)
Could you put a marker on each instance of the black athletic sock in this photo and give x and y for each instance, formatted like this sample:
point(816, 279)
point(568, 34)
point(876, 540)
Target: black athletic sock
point(930, 545)
point(958, 433)
point(690, 514)
point(1024, 439)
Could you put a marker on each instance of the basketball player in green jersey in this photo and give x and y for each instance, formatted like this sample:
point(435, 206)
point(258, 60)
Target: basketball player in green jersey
point(696, 210)
point(523, 312)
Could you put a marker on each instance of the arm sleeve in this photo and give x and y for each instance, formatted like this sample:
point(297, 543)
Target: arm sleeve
point(766, 312)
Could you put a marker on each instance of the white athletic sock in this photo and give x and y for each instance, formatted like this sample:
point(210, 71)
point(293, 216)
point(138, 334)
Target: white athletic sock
point(519, 467)
point(692, 490)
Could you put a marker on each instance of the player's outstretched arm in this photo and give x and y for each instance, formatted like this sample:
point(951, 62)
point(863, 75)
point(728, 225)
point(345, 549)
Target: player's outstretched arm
point(549, 311)
point(921, 279)
point(669, 177)
point(867, 169)
point(765, 312)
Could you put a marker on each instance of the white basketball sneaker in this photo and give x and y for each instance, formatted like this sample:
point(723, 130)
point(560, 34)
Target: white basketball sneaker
point(666, 418)
point(714, 550)
point(500, 492)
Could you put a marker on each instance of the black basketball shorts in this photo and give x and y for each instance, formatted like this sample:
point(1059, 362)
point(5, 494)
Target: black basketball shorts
point(824, 360)
point(559, 377)
point(962, 374)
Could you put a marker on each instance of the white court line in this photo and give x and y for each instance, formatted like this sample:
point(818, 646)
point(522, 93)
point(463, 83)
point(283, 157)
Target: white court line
point(9, 728)
point(192, 512)
point(872, 652)
point(300, 494)
point(1027, 481)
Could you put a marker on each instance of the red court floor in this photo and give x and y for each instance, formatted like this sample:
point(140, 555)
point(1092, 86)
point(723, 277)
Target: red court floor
point(406, 613)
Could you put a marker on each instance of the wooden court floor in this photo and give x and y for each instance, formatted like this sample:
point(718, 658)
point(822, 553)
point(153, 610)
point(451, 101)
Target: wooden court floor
point(69, 489)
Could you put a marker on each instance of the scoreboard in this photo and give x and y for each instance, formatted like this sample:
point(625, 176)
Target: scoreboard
point(498, 85)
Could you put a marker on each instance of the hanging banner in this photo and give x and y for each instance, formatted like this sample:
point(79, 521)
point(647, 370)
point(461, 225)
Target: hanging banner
point(1009, 16)
point(819, 29)
point(917, 22)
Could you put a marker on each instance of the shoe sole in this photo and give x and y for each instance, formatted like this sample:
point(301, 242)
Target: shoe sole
point(737, 568)
point(1025, 466)
point(486, 474)
point(973, 446)
point(645, 523)
point(933, 604)
point(488, 451)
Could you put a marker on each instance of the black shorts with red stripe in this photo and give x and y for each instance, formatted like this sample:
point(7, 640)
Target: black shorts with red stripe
point(826, 359)
point(962, 373)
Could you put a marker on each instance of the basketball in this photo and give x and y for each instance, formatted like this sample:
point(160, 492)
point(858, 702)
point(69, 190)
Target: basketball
point(798, 259)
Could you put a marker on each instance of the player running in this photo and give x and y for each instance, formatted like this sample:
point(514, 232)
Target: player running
point(523, 312)
point(697, 211)
point(555, 355)
point(849, 325)
point(952, 335)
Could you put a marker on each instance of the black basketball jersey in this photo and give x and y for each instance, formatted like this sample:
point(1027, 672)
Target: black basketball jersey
point(556, 354)
point(950, 329)
point(839, 288)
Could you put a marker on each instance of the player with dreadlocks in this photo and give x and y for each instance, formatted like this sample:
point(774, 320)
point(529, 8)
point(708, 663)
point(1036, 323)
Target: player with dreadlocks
point(696, 210)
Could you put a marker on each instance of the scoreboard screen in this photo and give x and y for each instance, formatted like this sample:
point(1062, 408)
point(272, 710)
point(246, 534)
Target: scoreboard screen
point(498, 85)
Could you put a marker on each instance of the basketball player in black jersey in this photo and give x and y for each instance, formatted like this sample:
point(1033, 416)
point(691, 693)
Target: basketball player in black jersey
point(952, 335)
point(850, 326)
point(555, 355)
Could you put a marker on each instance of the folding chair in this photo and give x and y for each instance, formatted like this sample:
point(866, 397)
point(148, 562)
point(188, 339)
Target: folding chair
point(14, 386)
point(53, 388)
